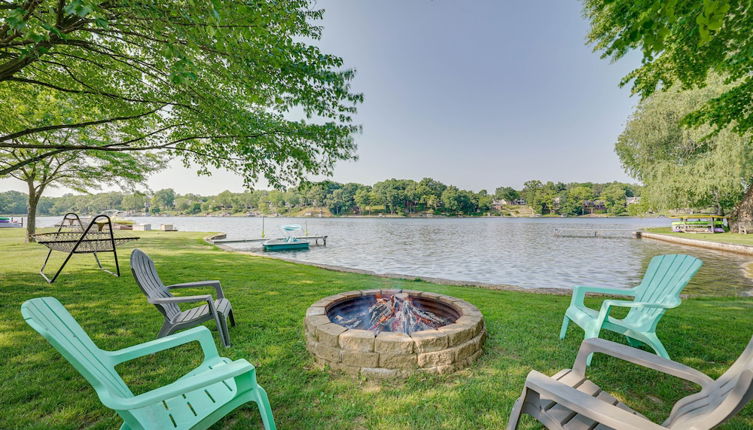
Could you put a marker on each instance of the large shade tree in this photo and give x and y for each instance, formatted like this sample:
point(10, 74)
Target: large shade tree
point(682, 43)
point(682, 167)
point(231, 84)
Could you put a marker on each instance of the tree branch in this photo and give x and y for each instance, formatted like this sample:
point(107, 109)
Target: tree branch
point(68, 126)
point(57, 149)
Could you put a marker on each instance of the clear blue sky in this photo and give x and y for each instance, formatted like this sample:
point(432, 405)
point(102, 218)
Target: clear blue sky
point(476, 93)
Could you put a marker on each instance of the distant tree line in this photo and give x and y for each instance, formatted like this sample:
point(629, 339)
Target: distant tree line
point(584, 198)
point(392, 196)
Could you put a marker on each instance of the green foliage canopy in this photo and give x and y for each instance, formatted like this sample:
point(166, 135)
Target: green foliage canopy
point(231, 84)
point(683, 43)
point(681, 167)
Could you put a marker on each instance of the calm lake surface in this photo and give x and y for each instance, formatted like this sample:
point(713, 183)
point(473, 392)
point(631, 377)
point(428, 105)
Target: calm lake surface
point(524, 252)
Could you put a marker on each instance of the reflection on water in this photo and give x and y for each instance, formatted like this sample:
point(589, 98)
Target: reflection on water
point(516, 251)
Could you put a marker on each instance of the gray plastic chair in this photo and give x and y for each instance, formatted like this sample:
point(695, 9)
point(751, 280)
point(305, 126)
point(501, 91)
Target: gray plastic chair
point(568, 400)
point(158, 294)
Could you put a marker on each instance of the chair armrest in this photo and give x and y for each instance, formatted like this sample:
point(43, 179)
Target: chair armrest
point(199, 334)
point(180, 299)
point(591, 407)
point(580, 291)
point(215, 284)
point(607, 306)
point(181, 386)
point(639, 357)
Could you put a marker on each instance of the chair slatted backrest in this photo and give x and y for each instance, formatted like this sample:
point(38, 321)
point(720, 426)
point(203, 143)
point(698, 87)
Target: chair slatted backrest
point(663, 282)
point(718, 402)
point(47, 316)
point(150, 283)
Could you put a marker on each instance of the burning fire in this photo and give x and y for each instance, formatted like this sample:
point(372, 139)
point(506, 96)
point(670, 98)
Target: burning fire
point(395, 313)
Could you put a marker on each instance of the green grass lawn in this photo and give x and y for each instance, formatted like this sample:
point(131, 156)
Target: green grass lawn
point(40, 390)
point(733, 238)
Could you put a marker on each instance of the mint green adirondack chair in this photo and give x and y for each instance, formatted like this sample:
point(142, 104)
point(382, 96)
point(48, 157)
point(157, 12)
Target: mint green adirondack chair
point(195, 401)
point(660, 289)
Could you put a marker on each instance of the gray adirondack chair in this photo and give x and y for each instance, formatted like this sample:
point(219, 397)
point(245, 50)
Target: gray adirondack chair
point(568, 400)
point(158, 294)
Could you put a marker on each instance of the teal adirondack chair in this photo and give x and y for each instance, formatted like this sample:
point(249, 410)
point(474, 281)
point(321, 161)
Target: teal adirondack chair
point(195, 401)
point(660, 289)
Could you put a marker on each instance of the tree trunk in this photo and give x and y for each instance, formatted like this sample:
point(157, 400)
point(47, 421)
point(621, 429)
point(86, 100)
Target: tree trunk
point(742, 215)
point(31, 220)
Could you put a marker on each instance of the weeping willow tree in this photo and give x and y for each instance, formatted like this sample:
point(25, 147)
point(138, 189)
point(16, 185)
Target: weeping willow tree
point(685, 167)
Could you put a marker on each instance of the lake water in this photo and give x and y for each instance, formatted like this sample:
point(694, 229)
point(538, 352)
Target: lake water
point(524, 252)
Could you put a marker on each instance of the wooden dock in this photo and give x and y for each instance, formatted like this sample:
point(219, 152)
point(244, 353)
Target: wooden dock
point(316, 240)
point(604, 233)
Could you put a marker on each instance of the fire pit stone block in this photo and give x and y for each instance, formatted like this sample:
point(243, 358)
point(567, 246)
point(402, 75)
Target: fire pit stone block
point(328, 334)
point(365, 293)
point(390, 291)
point(316, 310)
point(435, 296)
point(394, 354)
point(467, 349)
point(436, 358)
point(348, 370)
point(350, 294)
point(430, 340)
point(332, 355)
point(456, 333)
point(380, 373)
point(397, 361)
point(476, 323)
point(359, 340)
point(393, 343)
point(360, 358)
point(441, 370)
point(314, 321)
point(414, 293)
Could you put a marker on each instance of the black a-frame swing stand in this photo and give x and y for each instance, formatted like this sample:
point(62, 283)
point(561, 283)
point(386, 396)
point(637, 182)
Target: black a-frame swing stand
point(72, 237)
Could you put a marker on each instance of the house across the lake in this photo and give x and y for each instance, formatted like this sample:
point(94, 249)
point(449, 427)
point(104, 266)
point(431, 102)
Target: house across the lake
point(499, 204)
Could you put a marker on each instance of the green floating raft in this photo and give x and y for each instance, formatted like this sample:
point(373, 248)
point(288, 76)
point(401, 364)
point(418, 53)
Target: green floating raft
point(287, 243)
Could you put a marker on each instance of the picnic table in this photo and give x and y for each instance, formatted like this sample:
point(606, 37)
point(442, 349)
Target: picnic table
point(700, 223)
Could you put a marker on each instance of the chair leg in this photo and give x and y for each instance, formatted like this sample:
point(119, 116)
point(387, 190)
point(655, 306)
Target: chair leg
point(231, 315)
point(222, 328)
point(590, 334)
point(514, 420)
point(563, 330)
point(655, 343)
point(265, 410)
point(635, 343)
point(166, 329)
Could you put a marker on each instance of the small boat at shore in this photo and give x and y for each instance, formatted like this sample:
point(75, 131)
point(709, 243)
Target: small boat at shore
point(288, 243)
point(11, 222)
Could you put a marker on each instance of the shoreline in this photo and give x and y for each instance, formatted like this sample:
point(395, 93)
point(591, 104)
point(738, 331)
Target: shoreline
point(600, 216)
point(746, 268)
point(345, 269)
point(700, 243)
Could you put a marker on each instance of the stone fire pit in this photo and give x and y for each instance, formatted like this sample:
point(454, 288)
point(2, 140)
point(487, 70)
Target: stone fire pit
point(426, 332)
